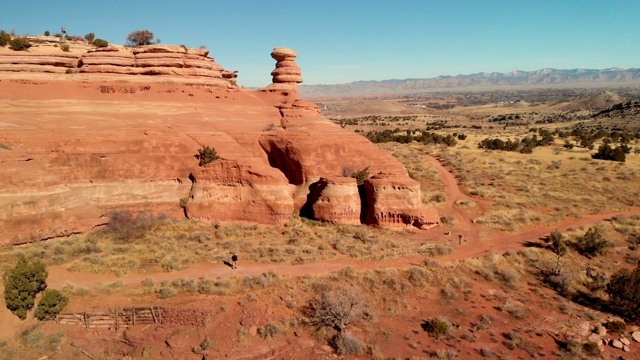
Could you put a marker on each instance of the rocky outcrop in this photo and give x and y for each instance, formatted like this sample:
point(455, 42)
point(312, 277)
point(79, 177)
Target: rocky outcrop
point(227, 190)
point(335, 200)
point(165, 60)
point(105, 140)
point(395, 202)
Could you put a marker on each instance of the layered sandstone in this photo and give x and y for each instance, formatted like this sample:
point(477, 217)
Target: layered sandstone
point(156, 60)
point(395, 202)
point(75, 147)
point(228, 190)
point(287, 74)
point(335, 200)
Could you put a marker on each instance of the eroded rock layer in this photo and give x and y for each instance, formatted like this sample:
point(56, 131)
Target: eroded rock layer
point(162, 60)
point(74, 147)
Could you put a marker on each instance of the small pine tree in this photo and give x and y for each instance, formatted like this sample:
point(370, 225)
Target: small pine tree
point(51, 304)
point(624, 292)
point(22, 283)
point(206, 155)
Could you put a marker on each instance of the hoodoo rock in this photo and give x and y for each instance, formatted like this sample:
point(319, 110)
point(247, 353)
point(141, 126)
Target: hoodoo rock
point(287, 75)
point(335, 200)
point(118, 129)
point(395, 202)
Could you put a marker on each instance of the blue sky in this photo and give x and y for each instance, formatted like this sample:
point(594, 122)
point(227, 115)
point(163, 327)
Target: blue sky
point(340, 41)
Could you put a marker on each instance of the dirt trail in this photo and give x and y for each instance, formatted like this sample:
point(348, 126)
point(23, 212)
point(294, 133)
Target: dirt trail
point(491, 242)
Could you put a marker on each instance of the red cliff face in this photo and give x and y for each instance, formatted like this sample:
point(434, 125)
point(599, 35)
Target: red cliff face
point(121, 130)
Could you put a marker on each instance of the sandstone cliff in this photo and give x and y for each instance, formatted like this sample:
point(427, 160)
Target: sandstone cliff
point(121, 132)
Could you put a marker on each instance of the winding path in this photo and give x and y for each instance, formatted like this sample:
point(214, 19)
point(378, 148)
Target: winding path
point(491, 242)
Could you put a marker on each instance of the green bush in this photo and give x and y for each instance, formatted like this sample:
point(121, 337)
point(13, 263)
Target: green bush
point(51, 304)
point(206, 155)
point(22, 283)
point(47, 33)
point(65, 47)
point(624, 291)
point(437, 327)
point(606, 152)
point(592, 243)
point(100, 43)
point(19, 44)
point(360, 175)
point(90, 37)
point(4, 38)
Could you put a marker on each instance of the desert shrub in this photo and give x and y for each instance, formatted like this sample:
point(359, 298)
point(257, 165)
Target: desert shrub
point(269, 331)
point(336, 308)
point(616, 326)
point(624, 291)
point(591, 349)
point(206, 155)
point(4, 38)
point(90, 37)
point(51, 304)
point(100, 43)
point(606, 152)
point(166, 292)
point(126, 227)
point(204, 345)
point(483, 322)
point(19, 44)
point(140, 37)
point(556, 243)
point(65, 47)
point(346, 344)
point(592, 243)
point(360, 175)
point(437, 327)
point(22, 283)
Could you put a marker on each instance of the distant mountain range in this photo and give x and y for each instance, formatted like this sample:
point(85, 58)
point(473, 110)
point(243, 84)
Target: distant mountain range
point(481, 81)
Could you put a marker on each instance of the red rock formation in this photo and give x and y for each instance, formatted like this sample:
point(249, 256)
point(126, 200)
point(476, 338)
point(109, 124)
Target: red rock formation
point(226, 190)
point(102, 140)
point(165, 60)
point(395, 202)
point(286, 75)
point(335, 200)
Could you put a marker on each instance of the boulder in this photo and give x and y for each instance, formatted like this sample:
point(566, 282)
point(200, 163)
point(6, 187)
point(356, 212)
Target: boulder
point(635, 336)
point(616, 344)
point(625, 341)
point(594, 338)
point(283, 54)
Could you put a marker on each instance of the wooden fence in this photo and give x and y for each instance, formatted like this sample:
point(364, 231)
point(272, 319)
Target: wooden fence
point(115, 318)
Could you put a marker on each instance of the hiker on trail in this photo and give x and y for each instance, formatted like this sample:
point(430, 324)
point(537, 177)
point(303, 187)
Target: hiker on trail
point(234, 259)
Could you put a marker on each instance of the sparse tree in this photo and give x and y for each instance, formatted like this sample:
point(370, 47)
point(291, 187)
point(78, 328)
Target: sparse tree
point(47, 33)
point(336, 308)
point(51, 304)
point(22, 283)
point(624, 292)
point(206, 155)
point(140, 37)
point(592, 243)
point(90, 37)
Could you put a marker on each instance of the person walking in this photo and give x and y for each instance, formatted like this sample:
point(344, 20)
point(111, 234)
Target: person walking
point(234, 260)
